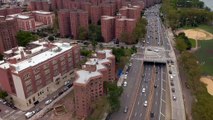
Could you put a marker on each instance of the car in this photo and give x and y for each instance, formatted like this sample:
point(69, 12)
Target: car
point(37, 110)
point(152, 114)
point(172, 83)
point(60, 93)
point(65, 88)
point(155, 86)
point(174, 98)
point(54, 97)
point(125, 84)
point(145, 104)
point(48, 102)
point(125, 76)
point(126, 109)
point(143, 90)
point(170, 72)
point(173, 90)
point(29, 114)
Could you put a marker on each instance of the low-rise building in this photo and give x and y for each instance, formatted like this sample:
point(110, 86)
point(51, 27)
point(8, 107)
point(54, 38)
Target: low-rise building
point(30, 74)
point(88, 85)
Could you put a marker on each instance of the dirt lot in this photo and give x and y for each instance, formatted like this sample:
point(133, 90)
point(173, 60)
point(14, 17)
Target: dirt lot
point(197, 34)
point(67, 101)
point(209, 82)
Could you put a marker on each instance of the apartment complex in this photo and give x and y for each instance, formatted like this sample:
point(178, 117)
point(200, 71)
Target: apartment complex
point(113, 27)
point(8, 11)
point(32, 21)
point(88, 85)
point(8, 31)
point(40, 5)
point(30, 74)
point(70, 21)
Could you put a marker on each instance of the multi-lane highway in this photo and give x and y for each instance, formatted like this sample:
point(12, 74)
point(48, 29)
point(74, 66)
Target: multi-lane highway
point(148, 95)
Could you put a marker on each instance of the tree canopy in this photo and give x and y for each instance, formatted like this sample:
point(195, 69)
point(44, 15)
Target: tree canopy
point(51, 38)
point(82, 33)
point(113, 92)
point(25, 37)
point(95, 33)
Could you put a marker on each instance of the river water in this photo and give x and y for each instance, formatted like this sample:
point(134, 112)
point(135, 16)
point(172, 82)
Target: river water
point(208, 3)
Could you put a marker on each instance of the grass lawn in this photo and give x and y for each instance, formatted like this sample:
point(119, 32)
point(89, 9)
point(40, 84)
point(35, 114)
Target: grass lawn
point(193, 42)
point(205, 56)
point(204, 27)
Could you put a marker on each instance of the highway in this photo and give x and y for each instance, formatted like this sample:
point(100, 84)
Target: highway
point(148, 95)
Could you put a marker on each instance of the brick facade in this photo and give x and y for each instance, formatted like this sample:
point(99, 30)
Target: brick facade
point(88, 85)
point(8, 31)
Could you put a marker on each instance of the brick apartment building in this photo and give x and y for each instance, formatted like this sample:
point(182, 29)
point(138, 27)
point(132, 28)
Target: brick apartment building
point(64, 22)
point(78, 19)
point(108, 28)
point(8, 31)
point(131, 11)
point(33, 20)
point(8, 11)
point(88, 85)
point(124, 25)
point(70, 21)
point(30, 74)
point(39, 5)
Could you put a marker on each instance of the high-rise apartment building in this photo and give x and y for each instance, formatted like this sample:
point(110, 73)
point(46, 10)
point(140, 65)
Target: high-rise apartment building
point(108, 28)
point(88, 85)
point(8, 31)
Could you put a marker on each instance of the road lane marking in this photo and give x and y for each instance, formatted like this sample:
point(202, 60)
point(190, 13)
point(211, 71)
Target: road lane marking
point(163, 100)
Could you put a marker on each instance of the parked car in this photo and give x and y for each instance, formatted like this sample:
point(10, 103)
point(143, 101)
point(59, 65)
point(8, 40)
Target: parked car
point(54, 97)
point(125, 84)
point(37, 110)
point(60, 93)
point(48, 102)
point(172, 83)
point(29, 114)
point(173, 90)
point(126, 109)
point(174, 98)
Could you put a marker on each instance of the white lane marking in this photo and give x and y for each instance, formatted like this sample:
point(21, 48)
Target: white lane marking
point(157, 94)
point(136, 114)
point(144, 94)
point(163, 89)
point(163, 100)
point(155, 102)
point(140, 114)
point(138, 102)
point(162, 114)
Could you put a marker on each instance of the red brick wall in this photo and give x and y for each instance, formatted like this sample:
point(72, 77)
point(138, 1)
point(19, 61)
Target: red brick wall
point(95, 14)
point(64, 22)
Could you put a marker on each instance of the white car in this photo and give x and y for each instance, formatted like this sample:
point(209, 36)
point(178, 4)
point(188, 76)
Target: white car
point(125, 83)
point(125, 76)
point(48, 102)
point(145, 104)
point(143, 90)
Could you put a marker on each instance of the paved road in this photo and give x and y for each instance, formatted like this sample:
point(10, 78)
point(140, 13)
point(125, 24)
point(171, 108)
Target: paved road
point(129, 90)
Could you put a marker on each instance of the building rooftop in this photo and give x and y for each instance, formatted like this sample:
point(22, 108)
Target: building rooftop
point(34, 57)
point(106, 17)
point(85, 75)
point(42, 12)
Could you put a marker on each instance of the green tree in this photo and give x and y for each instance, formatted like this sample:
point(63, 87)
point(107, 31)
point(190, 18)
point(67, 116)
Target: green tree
point(82, 33)
point(51, 38)
point(180, 45)
point(125, 37)
point(94, 33)
point(94, 44)
point(3, 94)
point(113, 94)
point(25, 37)
point(86, 53)
point(101, 46)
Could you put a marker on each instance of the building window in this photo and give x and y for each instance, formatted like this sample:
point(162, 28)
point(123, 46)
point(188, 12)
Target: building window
point(29, 101)
point(26, 76)
point(36, 70)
